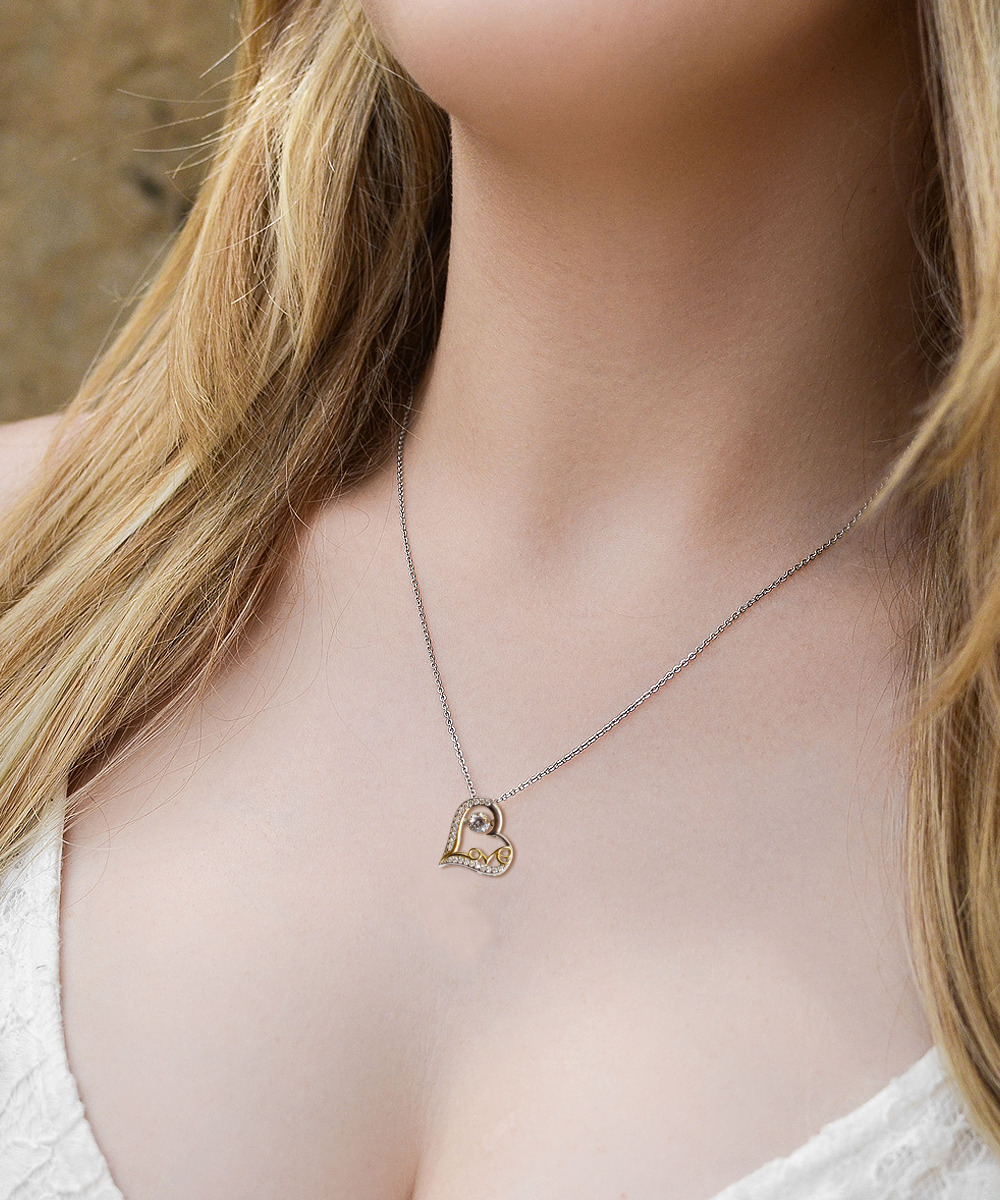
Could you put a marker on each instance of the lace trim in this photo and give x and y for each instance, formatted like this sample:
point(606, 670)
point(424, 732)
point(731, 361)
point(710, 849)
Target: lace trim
point(47, 1148)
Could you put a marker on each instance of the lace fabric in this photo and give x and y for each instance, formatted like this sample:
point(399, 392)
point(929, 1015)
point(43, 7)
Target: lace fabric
point(909, 1142)
point(912, 1141)
point(47, 1148)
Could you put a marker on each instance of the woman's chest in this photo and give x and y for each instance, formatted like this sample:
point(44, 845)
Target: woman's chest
point(271, 988)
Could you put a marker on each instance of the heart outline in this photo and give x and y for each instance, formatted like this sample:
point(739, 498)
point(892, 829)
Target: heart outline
point(453, 855)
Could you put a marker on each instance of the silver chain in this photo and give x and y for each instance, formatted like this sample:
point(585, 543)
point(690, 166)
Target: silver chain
point(664, 679)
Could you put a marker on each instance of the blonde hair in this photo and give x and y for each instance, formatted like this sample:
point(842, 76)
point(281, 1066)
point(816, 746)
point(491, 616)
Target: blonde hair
point(267, 367)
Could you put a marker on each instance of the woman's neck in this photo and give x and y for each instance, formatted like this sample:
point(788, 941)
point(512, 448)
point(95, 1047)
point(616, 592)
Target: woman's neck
point(700, 331)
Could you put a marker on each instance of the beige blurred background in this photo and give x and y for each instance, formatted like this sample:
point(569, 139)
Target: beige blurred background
point(98, 100)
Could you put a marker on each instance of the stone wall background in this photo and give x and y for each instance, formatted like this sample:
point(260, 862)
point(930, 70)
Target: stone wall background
point(98, 100)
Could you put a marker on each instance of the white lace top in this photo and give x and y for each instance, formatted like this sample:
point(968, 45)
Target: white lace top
point(910, 1142)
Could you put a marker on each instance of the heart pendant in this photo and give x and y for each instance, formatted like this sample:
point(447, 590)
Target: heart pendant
point(484, 818)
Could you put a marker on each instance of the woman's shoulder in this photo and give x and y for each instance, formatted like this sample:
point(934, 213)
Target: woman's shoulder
point(22, 447)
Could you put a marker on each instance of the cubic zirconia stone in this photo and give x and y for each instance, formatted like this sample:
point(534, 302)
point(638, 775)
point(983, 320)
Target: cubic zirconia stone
point(481, 822)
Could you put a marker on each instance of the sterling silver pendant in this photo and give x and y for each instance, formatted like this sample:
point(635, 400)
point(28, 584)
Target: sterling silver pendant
point(483, 818)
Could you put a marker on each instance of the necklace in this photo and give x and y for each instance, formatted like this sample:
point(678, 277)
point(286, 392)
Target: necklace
point(484, 817)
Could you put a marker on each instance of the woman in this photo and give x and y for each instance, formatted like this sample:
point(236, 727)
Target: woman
point(666, 290)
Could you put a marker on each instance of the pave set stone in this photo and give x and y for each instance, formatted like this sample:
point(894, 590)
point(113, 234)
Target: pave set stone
point(459, 860)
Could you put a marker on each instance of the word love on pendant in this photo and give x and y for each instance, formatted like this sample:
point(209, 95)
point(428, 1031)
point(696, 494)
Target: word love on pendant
point(482, 817)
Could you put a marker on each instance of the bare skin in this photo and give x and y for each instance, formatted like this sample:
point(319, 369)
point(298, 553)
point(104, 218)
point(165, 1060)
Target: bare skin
point(676, 355)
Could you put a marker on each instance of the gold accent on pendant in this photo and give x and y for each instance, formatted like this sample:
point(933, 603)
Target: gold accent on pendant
point(486, 819)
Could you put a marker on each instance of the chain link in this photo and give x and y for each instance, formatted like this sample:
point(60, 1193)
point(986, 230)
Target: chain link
point(674, 670)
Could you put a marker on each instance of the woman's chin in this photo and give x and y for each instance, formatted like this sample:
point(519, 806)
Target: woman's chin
point(520, 71)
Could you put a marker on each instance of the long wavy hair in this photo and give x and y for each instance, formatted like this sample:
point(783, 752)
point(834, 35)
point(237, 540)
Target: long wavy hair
point(267, 366)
